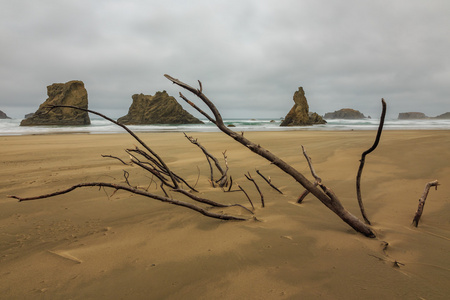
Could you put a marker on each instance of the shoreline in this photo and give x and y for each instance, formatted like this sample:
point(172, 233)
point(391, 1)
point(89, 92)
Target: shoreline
point(99, 244)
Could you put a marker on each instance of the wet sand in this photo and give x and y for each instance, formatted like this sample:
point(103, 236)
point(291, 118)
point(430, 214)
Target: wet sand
point(96, 244)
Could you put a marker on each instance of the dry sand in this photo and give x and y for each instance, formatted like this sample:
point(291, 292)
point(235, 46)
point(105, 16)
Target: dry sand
point(93, 244)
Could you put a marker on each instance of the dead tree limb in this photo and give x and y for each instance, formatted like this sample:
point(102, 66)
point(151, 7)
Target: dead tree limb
point(137, 192)
point(249, 177)
point(422, 201)
point(363, 159)
point(269, 182)
point(157, 167)
point(331, 202)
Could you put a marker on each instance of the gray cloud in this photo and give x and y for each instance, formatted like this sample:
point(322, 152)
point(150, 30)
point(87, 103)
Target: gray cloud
point(250, 55)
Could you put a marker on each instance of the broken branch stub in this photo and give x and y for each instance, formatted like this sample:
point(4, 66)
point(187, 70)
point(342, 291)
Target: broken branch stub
point(422, 200)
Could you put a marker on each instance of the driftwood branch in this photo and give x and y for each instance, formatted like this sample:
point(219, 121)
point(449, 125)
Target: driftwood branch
point(422, 200)
point(332, 203)
point(363, 159)
point(137, 192)
point(269, 182)
point(157, 167)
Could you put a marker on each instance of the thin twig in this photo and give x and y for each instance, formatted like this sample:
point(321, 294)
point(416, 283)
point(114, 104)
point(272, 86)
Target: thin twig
point(268, 182)
point(245, 193)
point(249, 177)
point(115, 157)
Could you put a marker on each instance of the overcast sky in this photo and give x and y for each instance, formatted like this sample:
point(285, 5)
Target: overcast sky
point(251, 56)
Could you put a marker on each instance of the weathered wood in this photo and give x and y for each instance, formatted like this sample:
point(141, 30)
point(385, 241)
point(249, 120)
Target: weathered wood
point(134, 191)
point(363, 159)
point(422, 200)
point(331, 202)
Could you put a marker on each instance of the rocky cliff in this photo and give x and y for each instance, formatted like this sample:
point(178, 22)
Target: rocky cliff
point(299, 114)
point(158, 109)
point(411, 115)
point(70, 93)
point(345, 113)
point(3, 115)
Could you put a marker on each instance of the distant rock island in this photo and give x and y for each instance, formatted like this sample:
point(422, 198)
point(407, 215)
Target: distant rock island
point(69, 93)
point(411, 116)
point(158, 109)
point(444, 116)
point(3, 115)
point(345, 113)
point(299, 114)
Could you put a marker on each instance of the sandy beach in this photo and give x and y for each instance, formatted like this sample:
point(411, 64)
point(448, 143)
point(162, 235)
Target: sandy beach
point(96, 244)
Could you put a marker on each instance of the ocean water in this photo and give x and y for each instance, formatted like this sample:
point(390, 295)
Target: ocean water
point(100, 126)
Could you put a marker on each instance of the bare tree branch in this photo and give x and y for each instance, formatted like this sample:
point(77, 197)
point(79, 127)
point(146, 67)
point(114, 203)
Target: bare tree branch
point(363, 159)
point(422, 201)
point(332, 203)
point(137, 192)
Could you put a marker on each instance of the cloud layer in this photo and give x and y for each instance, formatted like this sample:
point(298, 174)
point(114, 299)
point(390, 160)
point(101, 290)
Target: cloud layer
point(251, 56)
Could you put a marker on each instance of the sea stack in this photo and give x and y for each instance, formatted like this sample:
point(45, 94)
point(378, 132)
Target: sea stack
point(158, 109)
point(3, 115)
point(299, 114)
point(345, 113)
point(411, 116)
point(70, 93)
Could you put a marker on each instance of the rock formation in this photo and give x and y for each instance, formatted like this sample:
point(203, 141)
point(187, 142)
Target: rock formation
point(70, 93)
point(29, 115)
point(444, 116)
point(158, 109)
point(345, 113)
point(299, 114)
point(3, 115)
point(411, 115)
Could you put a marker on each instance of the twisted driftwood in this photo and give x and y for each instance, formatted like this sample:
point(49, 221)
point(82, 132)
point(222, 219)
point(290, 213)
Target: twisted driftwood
point(324, 195)
point(363, 159)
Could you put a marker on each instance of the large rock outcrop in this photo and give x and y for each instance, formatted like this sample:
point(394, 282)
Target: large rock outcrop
point(299, 114)
point(444, 116)
point(158, 109)
point(3, 115)
point(411, 116)
point(69, 93)
point(345, 113)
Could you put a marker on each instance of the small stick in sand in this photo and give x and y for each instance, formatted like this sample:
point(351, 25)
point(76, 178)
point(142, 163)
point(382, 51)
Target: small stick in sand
point(249, 177)
point(422, 201)
point(269, 182)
